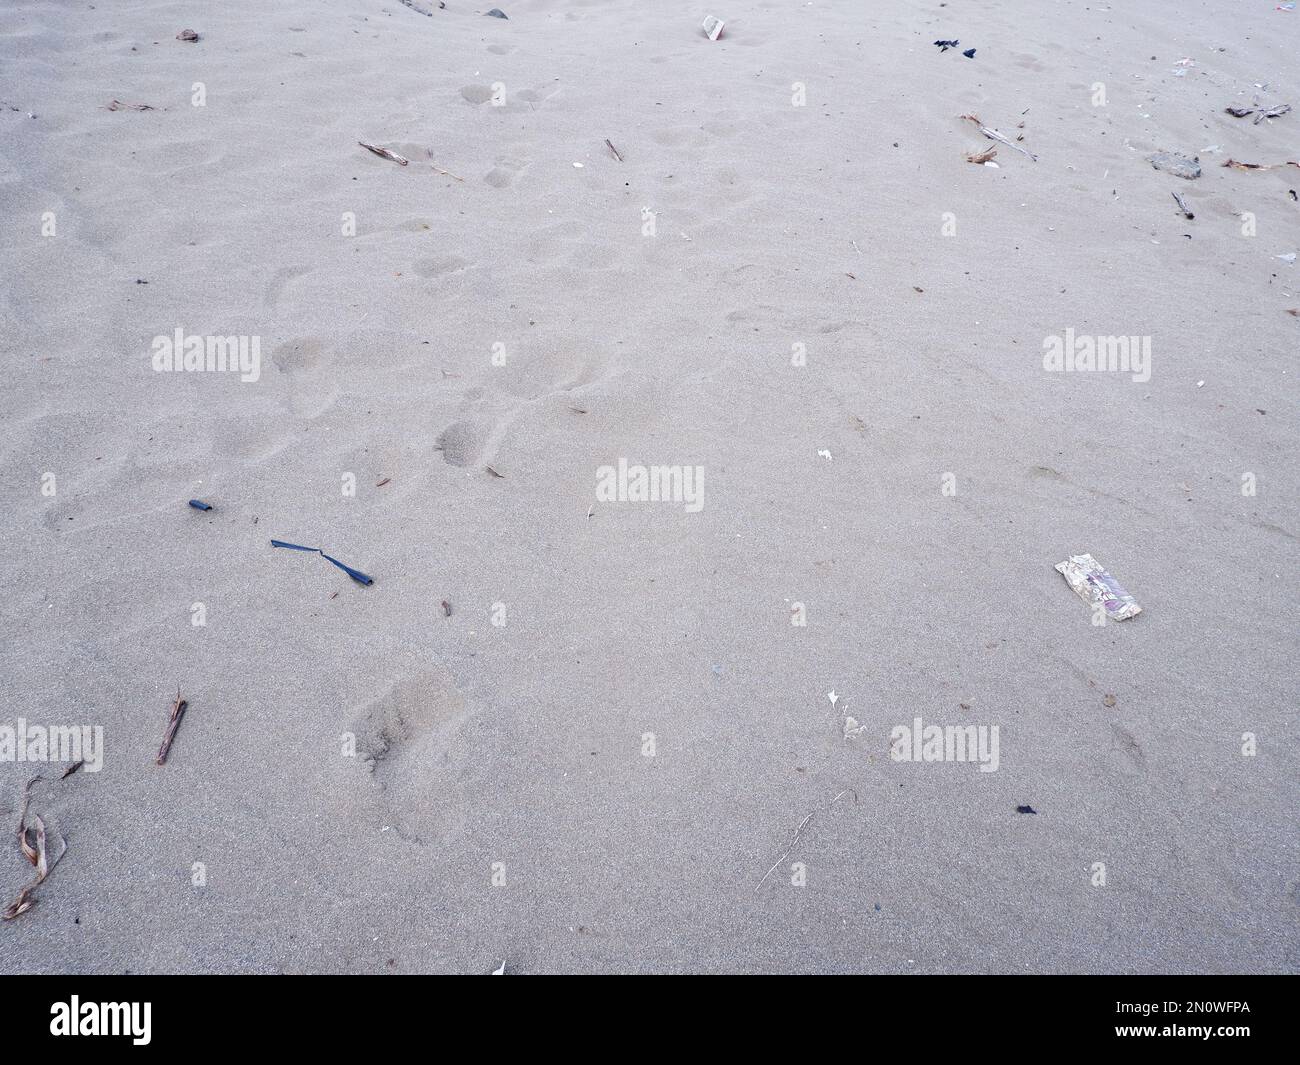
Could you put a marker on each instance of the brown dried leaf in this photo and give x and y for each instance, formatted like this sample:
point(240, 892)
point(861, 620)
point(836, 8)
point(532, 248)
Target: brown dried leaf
point(20, 905)
point(981, 157)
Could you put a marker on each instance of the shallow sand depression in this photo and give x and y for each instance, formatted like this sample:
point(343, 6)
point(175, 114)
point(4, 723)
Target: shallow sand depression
point(575, 723)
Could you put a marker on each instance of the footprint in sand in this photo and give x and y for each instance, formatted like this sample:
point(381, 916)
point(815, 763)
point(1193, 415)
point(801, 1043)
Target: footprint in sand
point(447, 264)
point(461, 443)
point(504, 173)
point(408, 742)
point(477, 94)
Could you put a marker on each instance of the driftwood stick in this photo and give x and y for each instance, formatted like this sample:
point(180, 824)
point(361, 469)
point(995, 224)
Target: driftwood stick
point(173, 723)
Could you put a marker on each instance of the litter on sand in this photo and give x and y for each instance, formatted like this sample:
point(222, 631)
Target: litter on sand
point(1260, 113)
point(1179, 165)
point(198, 504)
point(1095, 586)
point(173, 723)
point(118, 105)
point(614, 151)
point(496, 12)
point(983, 157)
point(1025, 810)
point(384, 153)
point(994, 135)
point(187, 35)
point(799, 832)
point(32, 843)
point(1238, 165)
point(712, 27)
point(943, 46)
point(355, 574)
point(969, 53)
point(1182, 206)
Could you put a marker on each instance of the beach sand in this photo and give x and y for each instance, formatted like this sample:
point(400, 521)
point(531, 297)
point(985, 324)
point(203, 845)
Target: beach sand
point(590, 765)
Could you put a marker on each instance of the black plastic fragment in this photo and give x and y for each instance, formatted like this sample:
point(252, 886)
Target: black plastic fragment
point(1025, 810)
point(943, 46)
point(969, 53)
point(198, 504)
point(355, 574)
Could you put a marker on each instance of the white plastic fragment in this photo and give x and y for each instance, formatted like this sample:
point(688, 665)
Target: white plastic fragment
point(823, 453)
point(1095, 586)
point(713, 27)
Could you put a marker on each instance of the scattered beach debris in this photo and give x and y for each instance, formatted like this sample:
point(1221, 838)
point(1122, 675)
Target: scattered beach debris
point(852, 728)
point(419, 9)
point(832, 697)
point(501, 971)
point(983, 158)
point(187, 35)
point(355, 574)
point(1182, 206)
point(32, 843)
point(384, 153)
point(386, 480)
point(616, 153)
point(1289, 257)
point(969, 53)
point(73, 768)
point(1238, 165)
point(496, 12)
point(493, 472)
point(1179, 165)
point(118, 105)
point(822, 453)
point(1108, 700)
point(1025, 810)
point(713, 27)
point(994, 135)
point(799, 831)
point(173, 723)
point(446, 609)
point(198, 504)
point(943, 46)
point(1260, 113)
point(1095, 586)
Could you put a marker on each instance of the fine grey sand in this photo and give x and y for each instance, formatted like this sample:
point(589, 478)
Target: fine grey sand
point(792, 279)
